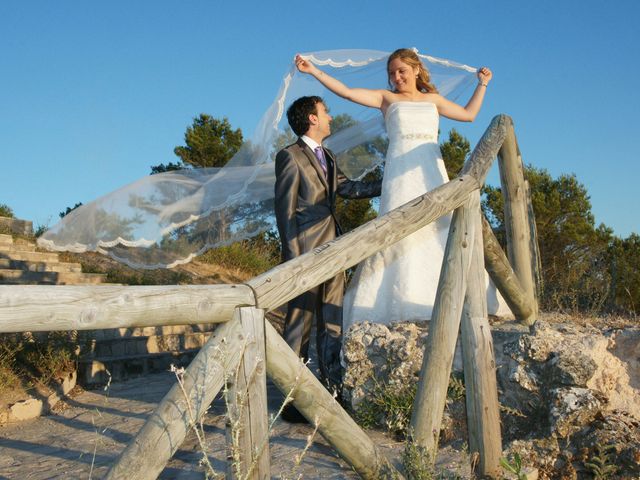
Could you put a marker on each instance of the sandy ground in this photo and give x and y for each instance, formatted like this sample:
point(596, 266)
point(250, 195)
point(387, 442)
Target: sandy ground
point(84, 437)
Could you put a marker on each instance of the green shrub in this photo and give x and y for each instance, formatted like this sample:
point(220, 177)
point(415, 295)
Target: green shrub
point(5, 211)
point(600, 464)
point(27, 359)
point(253, 256)
point(390, 405)
point(129, 276)
point(9, 380)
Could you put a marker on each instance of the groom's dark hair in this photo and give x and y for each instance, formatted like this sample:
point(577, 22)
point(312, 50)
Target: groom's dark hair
point(299, 111)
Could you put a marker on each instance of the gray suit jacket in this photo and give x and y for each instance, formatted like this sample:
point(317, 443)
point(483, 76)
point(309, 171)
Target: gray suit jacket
point(305, 199)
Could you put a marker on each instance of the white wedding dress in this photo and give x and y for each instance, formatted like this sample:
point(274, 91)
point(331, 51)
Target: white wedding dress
point(399, 283)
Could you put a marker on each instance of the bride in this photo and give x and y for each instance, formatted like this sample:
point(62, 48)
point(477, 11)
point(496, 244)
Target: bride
point(399, 283)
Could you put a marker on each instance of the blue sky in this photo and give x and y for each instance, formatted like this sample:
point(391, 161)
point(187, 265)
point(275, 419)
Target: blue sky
point(93, 94)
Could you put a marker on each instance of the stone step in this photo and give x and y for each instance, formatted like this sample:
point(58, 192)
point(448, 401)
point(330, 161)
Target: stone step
point(39, 266)
point(100, 371)
point(18, 247)
point(144, 345)
point(5, 239)
point(23, 277)
point(30, 256)
point(17, 226)
point(120, 333)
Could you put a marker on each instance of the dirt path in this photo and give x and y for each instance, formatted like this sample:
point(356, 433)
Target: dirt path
point(83, 439)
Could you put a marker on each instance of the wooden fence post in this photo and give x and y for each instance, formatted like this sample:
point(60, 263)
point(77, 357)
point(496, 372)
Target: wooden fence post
point(515, 217)
point(313, 400)
point(431, 396)
point(483, 408)
point(247, 403)
point(503, 276)
point(164, 431)
point(536, 261)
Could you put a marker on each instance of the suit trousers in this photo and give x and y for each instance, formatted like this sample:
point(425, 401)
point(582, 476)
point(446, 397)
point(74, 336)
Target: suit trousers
point(325, 302)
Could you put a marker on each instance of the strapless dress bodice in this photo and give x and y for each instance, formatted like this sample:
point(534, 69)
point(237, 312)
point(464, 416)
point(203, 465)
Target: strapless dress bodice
point(412, 122)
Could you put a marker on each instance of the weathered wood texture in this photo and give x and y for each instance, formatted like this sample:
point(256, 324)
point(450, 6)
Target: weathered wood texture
point(313, 400)
point(536, 261)
point(428, 406)
point(34, 308)
point(483, 409)
point(164, 431)
point(487, 148)
point(516, 218)
point(248, 412)
point(505, 280)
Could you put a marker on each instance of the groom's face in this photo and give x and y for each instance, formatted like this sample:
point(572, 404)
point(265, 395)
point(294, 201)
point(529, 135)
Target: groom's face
point(322, 120)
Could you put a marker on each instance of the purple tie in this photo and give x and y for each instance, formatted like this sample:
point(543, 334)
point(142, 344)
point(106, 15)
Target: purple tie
point(320, 156)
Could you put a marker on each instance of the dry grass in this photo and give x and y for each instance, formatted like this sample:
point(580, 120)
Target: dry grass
point(30, 363)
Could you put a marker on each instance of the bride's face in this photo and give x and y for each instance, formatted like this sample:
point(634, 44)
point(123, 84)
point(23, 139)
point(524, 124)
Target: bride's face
point(402, 76)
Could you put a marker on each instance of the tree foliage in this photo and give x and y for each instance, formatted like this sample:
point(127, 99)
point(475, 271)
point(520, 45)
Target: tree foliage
point(623, 258)
point(584, 267)
point(68, 210)
point(454, 152)
point(209, 142)
point(169, 167)
point(6, 210)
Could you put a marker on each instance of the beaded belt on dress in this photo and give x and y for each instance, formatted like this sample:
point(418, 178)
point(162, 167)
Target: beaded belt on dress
point(419, 136)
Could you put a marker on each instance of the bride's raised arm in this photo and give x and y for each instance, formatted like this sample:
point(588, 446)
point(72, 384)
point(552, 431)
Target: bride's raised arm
point(468, 113)
point(363, 96)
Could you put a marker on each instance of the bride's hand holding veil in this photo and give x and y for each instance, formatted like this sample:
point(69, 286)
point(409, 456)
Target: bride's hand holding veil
point(362, 96)
point(484, 75)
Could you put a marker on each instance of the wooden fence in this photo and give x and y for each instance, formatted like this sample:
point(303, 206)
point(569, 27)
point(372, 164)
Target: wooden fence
point(245, 349)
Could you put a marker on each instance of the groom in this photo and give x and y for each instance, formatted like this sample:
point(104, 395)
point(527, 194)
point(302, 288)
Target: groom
point(307, 180)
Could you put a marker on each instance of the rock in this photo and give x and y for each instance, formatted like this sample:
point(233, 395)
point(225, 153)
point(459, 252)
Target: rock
point(566, 356)
point(576, 369)
point(571, 409)
point(616, 432)
point(26, 410)
point(35, 407)
point(542, 452)
point(527, 379)
point(380, 353)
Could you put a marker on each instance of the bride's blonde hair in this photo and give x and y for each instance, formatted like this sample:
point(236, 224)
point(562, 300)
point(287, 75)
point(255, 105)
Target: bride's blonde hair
point(408, 56)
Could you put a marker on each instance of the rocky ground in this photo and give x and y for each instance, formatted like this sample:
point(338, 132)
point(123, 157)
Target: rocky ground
point(569, 389)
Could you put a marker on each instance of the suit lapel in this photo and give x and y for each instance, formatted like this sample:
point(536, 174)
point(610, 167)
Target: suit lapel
point(314, 162)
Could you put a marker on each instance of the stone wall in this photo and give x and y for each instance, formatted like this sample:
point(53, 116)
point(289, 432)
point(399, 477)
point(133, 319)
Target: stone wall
point(16, 226)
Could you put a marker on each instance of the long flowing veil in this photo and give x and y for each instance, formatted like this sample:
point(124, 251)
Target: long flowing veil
point(167, 219)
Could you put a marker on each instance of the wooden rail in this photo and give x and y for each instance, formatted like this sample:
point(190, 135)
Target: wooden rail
point(38, 308)
point(250, 346)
